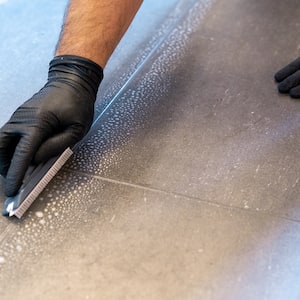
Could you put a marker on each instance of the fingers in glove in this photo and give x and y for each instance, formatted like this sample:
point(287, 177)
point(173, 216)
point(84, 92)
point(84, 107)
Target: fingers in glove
point(8, 144)
point(288, 70)
point(295, 92)
point(289, 83)
point(19, 164)
point(56, 145)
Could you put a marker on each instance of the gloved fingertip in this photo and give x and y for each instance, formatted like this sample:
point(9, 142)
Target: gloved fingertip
point(3, 169)
point(288, 70)
point(278, 76)
point(57, 144)
point(284, 73)
point(295, 92)
point(282, 88)
point(42, 156)
point(10, 189)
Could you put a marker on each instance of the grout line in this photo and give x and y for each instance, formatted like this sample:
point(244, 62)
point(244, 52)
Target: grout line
point(187, 197)
point(148, 57)
point(177, 19)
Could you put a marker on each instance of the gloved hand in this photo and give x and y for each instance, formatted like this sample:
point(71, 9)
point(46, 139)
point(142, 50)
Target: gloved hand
point(289, 79)
point(56, 117)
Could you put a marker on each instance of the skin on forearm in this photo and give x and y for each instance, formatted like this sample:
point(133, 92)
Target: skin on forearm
point(93, 28)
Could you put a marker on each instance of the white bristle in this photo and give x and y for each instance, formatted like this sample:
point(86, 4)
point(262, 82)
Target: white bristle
point(43, 183)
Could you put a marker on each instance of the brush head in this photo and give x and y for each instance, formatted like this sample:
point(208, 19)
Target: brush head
point(36, 179)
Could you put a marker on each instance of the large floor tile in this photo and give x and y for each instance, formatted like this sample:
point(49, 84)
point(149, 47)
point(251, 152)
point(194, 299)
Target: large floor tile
point(187, 186)
point(92, 239)
point(202, 119)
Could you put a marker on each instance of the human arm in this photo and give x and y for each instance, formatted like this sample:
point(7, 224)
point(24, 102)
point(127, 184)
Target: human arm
point(93, 29)
point(61, 113)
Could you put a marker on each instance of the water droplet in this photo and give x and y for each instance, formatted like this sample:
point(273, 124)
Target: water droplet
point(39, 214)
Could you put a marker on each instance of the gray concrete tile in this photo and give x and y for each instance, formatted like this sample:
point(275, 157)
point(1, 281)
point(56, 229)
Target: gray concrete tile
point(250, 39)
point(91, 239)
point(146, 34)
point(206, 122)
point(187, 186)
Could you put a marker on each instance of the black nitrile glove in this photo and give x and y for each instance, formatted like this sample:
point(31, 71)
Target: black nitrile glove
point(289, 79)
point(57, 117)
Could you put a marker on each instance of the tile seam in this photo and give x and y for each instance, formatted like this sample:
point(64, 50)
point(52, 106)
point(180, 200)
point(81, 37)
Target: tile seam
point(186, 197)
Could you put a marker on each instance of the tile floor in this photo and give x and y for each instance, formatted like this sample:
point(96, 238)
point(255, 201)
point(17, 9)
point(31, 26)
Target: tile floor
point(187, 186)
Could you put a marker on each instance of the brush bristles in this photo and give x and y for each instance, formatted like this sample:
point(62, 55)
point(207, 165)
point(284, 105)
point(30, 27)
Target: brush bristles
point(19, 212)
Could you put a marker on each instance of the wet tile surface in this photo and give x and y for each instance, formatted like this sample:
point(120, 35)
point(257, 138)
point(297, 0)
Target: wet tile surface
point(134, 243)
point(207, 122)
point(187, 186)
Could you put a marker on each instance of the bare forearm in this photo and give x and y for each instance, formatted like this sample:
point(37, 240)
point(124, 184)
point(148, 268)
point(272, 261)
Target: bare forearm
point(93, 28)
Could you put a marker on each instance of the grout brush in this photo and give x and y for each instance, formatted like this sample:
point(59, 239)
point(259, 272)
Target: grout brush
point(35, 180)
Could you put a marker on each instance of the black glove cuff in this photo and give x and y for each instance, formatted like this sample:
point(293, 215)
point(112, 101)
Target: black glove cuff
point(77, 69)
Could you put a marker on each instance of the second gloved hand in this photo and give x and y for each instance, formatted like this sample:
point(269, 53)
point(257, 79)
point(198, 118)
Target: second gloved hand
point(57, 117)
point(289, 79)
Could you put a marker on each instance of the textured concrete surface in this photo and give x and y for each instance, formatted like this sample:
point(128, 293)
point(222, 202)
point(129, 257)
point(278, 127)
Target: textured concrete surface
point(187, 186)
